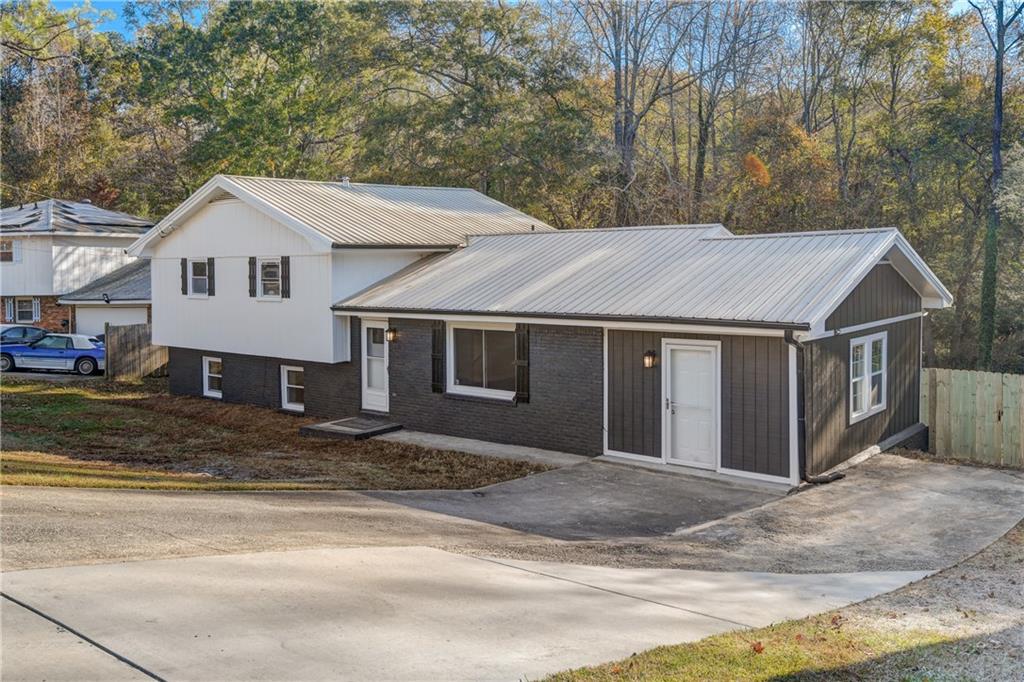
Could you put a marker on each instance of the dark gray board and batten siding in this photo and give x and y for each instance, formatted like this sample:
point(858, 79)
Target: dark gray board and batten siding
point(755, 399)
point(882, 294)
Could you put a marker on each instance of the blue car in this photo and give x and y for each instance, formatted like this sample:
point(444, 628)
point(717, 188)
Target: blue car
point(67, 352)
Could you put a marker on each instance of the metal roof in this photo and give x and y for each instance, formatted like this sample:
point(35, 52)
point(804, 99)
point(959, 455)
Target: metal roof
point(352, 215)
point(127, 283)
point(695, 273)
point(69, 217)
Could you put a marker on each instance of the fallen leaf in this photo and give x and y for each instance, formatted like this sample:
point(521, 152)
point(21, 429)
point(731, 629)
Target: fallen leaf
point(757, 647)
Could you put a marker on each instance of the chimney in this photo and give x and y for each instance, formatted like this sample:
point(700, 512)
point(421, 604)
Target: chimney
point(345, 182)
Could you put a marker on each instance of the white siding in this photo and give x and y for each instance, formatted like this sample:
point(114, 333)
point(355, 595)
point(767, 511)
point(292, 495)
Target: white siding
point(33, 274)
point(80, 260)
point(90, 319)
point(299, 328)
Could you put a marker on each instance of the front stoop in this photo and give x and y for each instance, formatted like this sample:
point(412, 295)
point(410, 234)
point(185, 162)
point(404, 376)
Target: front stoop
point(350, 428)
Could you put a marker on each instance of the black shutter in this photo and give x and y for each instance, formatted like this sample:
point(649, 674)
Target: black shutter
point(211, 288)
point(184, 276)
point(522, 363)
point(252, 278)
point(286, 277)
point(437, 377)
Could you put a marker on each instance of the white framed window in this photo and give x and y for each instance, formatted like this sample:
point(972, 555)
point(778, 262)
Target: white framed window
point(198, 277)
point(868, 375)
point(26, 310)
point(8, 251)
point(212, 376)
point(482, 360)
point(293, 388)
point(268, 272)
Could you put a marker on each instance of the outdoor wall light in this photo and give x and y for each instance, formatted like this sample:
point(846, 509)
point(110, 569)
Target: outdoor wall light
point(650, 359)
point(391, 334)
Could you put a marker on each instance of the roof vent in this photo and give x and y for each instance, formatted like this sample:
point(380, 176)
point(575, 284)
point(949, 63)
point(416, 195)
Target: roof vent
point(86, 201)
point(345, 182)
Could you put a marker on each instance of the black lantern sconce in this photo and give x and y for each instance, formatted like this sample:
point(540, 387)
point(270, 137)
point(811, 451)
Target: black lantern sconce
point(650, 359)
point(391, 334)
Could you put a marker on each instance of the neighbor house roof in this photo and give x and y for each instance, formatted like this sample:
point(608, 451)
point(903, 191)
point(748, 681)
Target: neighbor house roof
point(55, 216)
point(127, 283)
point(694, 274)
point(340, 215)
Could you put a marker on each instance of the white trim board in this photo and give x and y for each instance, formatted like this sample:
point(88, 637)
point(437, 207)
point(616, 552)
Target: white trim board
point(668, 345)
point(839, 331)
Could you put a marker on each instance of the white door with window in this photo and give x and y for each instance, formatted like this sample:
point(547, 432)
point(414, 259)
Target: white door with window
point(690, 387)
point(375, 365)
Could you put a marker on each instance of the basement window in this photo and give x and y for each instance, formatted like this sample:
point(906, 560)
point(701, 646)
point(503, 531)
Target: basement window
point(868, 380)
point(212, 376)
point(481, 360)
point(293, 388)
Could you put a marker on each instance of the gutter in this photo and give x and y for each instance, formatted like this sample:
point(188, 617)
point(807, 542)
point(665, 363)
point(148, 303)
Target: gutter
point(739, 324)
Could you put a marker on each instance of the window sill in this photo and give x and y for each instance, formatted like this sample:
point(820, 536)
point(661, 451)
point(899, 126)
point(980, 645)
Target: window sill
point(493, 400)
point(269, 299)
point(296, 411)
point(199, 297)
point(865, 415)
point(214, 396)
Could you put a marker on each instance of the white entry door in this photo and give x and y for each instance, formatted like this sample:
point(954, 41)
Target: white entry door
point(375, 365)
point(690, 376)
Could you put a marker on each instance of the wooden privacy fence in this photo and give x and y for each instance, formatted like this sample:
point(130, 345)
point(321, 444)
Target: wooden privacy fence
point(977, 416)
point(131, 353)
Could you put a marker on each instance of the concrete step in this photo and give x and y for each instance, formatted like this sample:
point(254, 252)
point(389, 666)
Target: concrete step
point(350, 428)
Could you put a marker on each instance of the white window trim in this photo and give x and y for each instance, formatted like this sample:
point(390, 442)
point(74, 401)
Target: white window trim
point(475, 391)
point(285, 405)
point(207, 391)
point(15, 250)
point(867, 341)
point(33, 315)
point(206, 262)
point(260, 296)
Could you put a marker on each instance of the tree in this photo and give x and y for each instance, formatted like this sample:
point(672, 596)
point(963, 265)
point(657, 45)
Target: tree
point(997, 21)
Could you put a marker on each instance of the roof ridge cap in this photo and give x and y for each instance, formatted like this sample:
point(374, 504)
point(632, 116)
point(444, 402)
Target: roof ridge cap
point(809, 233)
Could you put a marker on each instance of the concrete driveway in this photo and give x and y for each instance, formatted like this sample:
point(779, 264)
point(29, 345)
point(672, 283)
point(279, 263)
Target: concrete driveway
point(346, 585)
point(594, 501)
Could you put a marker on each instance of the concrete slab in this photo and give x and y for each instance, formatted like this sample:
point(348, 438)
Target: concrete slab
point(350, 428)
point(592, 501)
point(34, 649)
point(397, 613)
point(485, 448)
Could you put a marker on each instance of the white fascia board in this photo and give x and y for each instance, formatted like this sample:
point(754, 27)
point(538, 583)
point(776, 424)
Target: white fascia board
point(563, 322)
point(944, 300)
point(201, 197)
point(99, 303)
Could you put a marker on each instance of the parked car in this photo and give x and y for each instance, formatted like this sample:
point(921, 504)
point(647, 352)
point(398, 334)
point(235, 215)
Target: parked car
point(20, 333)
point(68, 352)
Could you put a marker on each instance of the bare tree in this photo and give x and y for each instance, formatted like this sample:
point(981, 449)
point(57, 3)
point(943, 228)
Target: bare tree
point(997, 19)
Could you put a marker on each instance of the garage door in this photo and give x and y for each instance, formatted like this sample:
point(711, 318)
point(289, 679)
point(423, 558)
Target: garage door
point(90, 319)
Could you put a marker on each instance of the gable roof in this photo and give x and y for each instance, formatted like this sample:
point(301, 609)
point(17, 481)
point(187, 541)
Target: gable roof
point(128, 283)
point(693, 274)
point(333, 214)
point(55, 216)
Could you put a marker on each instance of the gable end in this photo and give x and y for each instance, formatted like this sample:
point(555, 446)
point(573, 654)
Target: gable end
point(881, 295)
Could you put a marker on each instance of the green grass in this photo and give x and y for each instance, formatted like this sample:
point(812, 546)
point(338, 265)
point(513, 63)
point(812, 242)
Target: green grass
point(98, 434)
point(817, 648)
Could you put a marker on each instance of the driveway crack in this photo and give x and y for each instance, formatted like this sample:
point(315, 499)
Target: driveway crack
point(110, 652)
point(615, 592)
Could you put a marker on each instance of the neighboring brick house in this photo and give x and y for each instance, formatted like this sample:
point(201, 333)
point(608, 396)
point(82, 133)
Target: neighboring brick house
point(51, 248)
point(772, 357)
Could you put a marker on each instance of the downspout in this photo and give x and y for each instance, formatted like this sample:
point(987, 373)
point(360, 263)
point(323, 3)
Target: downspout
point(801, 411)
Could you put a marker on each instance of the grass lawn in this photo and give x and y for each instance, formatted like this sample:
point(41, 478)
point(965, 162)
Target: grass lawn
point(95, 434)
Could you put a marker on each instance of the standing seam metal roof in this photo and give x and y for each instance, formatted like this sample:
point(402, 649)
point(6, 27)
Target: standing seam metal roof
point(695, 273)
point(55, 215)
point(389, 215)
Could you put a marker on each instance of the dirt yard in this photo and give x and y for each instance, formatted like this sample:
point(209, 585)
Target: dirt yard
point(97, 434)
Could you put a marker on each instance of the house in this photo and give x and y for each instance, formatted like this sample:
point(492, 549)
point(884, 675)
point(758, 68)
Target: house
point(117, 298)
point(51, 248)
point(772, 357)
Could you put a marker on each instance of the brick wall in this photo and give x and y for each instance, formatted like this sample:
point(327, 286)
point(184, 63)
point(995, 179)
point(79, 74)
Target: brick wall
point(566, 405)
point(332, 390)
point(53, 317)
point(565, 411)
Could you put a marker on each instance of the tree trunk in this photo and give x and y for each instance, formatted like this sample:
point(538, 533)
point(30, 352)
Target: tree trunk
point(990, 272)
point(700, 161)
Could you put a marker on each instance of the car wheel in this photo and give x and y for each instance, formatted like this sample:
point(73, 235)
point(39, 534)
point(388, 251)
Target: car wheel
point(85, 366)
point(6, 363)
